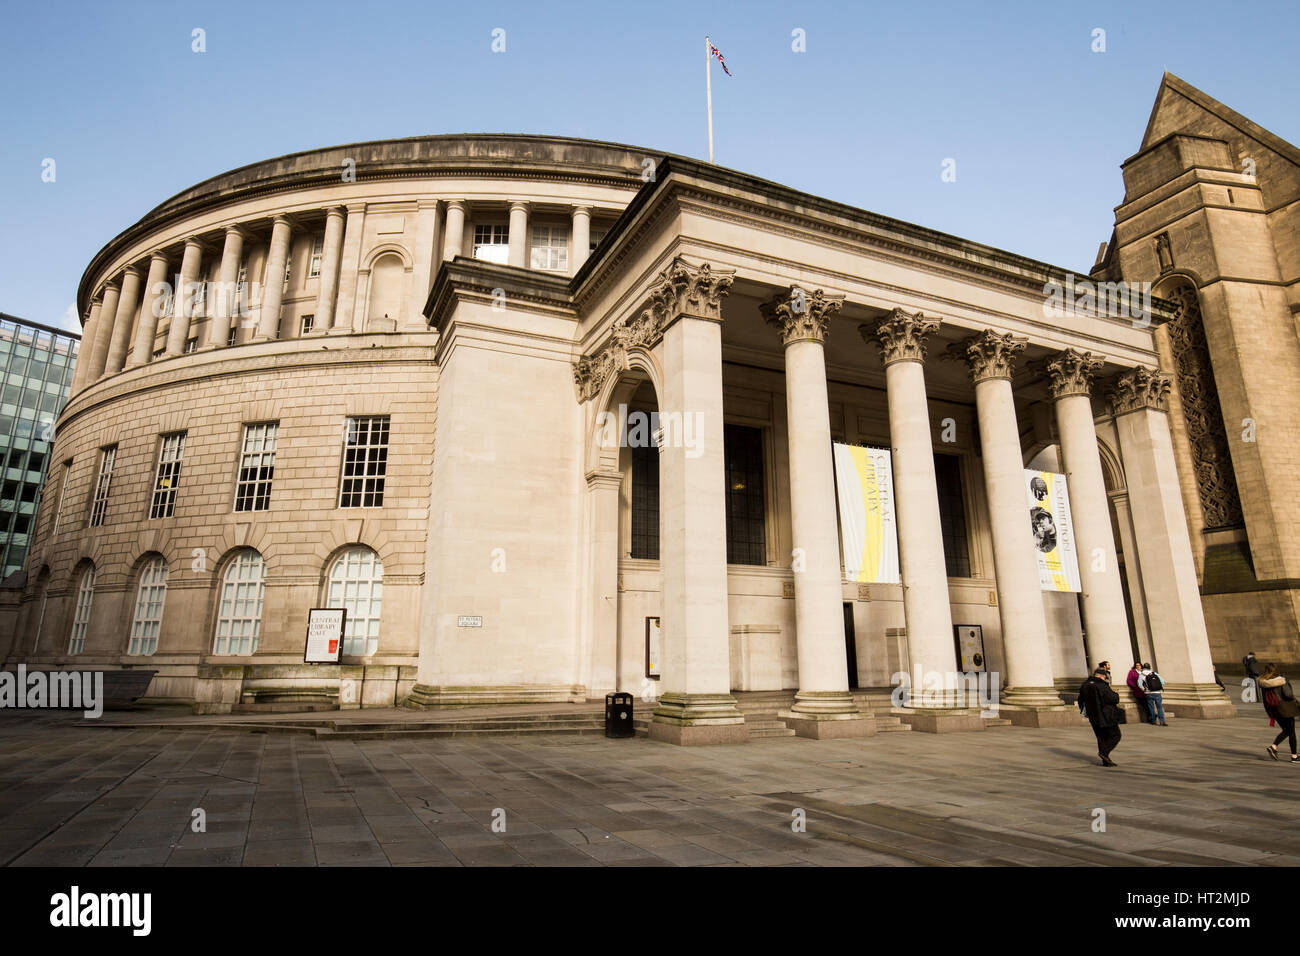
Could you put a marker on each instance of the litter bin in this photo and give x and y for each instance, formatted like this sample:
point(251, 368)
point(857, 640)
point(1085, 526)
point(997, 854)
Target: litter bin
point(618, 716)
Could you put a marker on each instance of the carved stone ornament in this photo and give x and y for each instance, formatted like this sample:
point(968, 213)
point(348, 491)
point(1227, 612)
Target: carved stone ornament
point(1141, 388)
point(681, 289)
point(801, 315)
point(1070, 372)
point(901, 336)
point(1216, 480)
point(988, 354)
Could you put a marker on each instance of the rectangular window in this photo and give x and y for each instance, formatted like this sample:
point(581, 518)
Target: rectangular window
point(99, 504)
point(308, 323)
point(645, 502)
point(232, 335)
point(63, 493)
point(256, 467)
point(597, 236)
point(746, 509)
point(365, 462)
point(168, 476)
point(550, 248)
point(192, 345)
point(952, 515)
point(492, 243)
point(317, 251)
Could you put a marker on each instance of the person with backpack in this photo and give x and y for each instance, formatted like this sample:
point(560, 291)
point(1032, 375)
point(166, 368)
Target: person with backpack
point(1281, 706)
point(1101, 704)
point(1153, 686)
point(1132, 680)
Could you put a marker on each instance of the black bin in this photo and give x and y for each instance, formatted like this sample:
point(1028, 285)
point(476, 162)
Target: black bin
point(618, 716)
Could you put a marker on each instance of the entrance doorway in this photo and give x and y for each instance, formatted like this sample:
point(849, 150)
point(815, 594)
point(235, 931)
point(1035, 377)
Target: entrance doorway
point(850, 647)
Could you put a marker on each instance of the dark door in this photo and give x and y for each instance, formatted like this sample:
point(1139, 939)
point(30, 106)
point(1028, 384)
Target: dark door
point(850, 647)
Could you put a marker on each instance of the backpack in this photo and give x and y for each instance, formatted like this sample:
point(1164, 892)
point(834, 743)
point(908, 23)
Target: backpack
point(1154, 684)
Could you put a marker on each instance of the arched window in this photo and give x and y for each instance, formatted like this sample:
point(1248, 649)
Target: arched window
point(357, 583)
point(81, 616)
point(239, 613)
point(386, 287)
point(149, 607)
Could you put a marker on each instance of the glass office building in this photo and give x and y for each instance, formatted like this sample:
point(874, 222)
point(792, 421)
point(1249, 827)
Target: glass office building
point(36, 364)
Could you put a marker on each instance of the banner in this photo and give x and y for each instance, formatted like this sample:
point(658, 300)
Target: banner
point(1053, 531)
point(864, 482)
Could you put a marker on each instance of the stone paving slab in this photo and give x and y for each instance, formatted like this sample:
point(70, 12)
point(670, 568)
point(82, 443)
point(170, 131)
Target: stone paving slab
point(1193, 793)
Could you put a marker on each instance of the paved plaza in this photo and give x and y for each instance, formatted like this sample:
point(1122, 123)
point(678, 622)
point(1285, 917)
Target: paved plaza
point(1195, 792)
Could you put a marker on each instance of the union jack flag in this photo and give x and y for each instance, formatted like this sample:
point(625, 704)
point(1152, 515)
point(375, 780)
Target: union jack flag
point(718, 53)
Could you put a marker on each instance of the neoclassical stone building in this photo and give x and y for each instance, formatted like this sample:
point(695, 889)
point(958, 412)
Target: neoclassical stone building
point(404, 378)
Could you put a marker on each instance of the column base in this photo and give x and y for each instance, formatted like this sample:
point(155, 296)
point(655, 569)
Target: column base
point(691, 720)
point(1036, 707)
point(1198, 701)
point(826, 714)
point(939, 720)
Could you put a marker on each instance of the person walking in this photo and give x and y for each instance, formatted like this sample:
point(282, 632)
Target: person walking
point(1134, 679)
point(1101, 704)
point(1153, 687)
point(1252, 670)
point(1281, 706)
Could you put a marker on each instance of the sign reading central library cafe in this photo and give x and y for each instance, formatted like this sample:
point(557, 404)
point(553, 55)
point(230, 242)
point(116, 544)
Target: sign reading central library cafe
point(1052, 530)
point(864, 482)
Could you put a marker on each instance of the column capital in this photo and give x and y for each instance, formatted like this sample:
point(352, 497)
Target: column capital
point(460, 204)
point(521, 204)
point(687, 289)
point(581, 210)
point(901, 335)
point(800, 315)
point(159, 255)
point(988, 354)
point(236, 229)
point(1070, 372)
point(136, 268)
point(115, 284)
point(1140, 388)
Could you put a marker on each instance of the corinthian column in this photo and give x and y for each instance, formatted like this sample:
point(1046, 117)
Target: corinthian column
point(103, 333)
point(901, 337)
point(81, 374)
point(1030, 699)
point(155, 287)
point(823, 706)
point(454, 231)
point(127, 303)
point(1164, 550)
point(331, 256)
point(683, 325)
point(581, 236)
point(273, 292)
point(228, 298)
point(1105, 623)
point(178, 332)
point(517, 252)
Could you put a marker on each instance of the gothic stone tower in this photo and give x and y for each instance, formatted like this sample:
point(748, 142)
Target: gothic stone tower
point(1211, 218)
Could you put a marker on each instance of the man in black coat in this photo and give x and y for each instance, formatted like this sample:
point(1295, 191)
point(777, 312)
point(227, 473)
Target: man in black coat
point(1101, 704)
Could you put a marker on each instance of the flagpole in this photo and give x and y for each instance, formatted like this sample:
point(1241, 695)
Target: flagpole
point(708, 89)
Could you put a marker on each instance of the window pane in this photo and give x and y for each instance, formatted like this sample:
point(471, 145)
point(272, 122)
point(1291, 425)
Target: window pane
point(746, 512)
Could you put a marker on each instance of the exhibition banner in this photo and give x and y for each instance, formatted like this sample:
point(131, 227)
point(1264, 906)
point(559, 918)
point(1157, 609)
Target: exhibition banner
point(864, 481)
point(1052, 530)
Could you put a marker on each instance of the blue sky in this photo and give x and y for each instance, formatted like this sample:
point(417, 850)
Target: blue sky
point(1037, 122)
